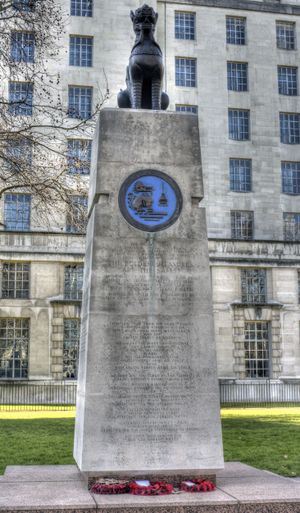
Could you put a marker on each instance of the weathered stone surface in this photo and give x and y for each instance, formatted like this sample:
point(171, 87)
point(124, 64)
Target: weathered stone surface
point(148, 396)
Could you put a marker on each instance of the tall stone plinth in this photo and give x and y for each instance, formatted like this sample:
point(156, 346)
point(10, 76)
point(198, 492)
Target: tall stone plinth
point(148, 402)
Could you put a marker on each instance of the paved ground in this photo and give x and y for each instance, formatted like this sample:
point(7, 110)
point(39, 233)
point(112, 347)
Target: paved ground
point(240, 489)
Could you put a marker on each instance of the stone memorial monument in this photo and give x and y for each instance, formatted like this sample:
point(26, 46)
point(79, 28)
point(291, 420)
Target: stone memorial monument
point(148, 403)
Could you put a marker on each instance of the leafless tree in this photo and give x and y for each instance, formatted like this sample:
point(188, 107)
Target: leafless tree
point(34, 123)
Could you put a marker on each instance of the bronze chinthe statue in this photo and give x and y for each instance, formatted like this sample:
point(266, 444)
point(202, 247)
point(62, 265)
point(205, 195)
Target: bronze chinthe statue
point(145, 70)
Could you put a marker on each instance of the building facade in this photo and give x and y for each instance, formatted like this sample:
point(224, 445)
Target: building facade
point(235, 65)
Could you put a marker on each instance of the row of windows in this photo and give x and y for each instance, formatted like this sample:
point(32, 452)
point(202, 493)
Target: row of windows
point(79, 151)
point(17, 213)
point(78, 7)
point(15, 340)
point(236, 33)
point(237, 76)
point(235, 30)
point(80, 97)
point(241, 176)
point(15, 283)
point(239, 126)
point(21, 100)
point(14, 348)
point(242, 225)
point(17, 208)
point(81, 47)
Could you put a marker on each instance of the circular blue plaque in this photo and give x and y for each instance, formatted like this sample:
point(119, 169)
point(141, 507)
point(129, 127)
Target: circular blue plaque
point(150, 200)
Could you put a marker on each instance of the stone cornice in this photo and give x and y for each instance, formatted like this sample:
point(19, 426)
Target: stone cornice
point(255, 252)
point(244, 5)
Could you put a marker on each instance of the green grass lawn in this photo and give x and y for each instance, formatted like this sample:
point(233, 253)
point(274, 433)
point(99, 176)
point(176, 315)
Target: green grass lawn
point(267, 438)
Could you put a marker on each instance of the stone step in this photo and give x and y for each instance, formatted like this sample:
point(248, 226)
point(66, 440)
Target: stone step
point(240, 489)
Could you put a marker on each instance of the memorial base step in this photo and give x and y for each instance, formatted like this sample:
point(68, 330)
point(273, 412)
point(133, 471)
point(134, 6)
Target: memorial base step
point(61, 488)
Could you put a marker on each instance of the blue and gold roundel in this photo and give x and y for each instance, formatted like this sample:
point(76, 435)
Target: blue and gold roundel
point(150, 200)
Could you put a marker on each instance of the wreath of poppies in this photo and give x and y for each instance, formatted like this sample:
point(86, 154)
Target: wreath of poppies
point(199, 485)
point(156, 488)
point(111, 487)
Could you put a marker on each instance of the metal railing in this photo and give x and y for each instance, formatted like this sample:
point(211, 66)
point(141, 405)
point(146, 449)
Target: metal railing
point(260, 394)
point(61, 395)
point(52, 395)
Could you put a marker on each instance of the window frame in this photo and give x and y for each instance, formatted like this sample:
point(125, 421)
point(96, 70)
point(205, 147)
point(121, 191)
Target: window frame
point(181, 107)
point(76, 217)
point(81, 9)
point(10, 278)
point(235, 125)
point(23, 228)
point(293, 138)
point(84, 59)
point(74, 361)
point(234, 40)
point(280, 81)
point(18, 50)
point(73, 112)
point(234, 178)
point(248, 280)
point(234, 226)
point(237, 78)
point(77, 164)
point(258, 349)
point(286, 23)
point(287, 182)
point(71, 292)
point(296, 233)
point(21, 107)
point(192, 14)
point(17, 321)
point(179, 73)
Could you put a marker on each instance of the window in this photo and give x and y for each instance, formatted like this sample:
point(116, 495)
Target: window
point(73, 281)
point(81, 51)
point(80, 102)
point(14, 342)
point(184, 25)
point(235, 30)
point(237, 76)
point(17, 209)
point(79, 156)
point(240, 175)
point(71, 346)
point(254, 286)
point(82, 8)
point(287, 80)
point(290, 173)
point(19, 153)
point(242, 224)
point(286, 36)
point(15, 280)
point(291, 225)
point(289, 128)
point(24, 5)
point(77, 214)
point(185, 72)
point(193, 109)
point(22, 47)
point(238, 124)
point(257, 350)
point(20, 98)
